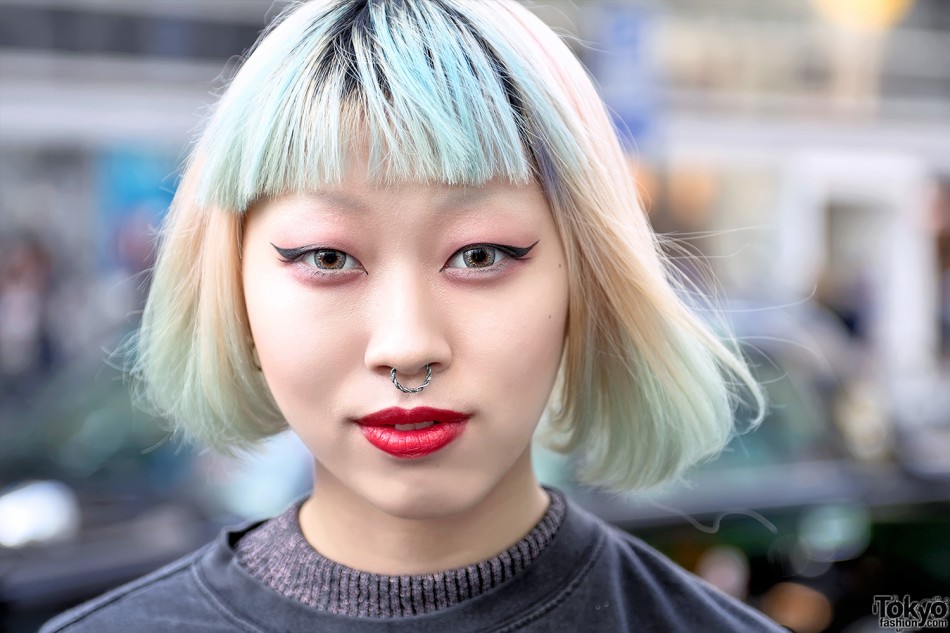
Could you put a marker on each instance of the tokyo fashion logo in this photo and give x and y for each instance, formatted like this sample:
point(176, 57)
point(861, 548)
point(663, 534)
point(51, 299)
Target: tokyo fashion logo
point(900, 613)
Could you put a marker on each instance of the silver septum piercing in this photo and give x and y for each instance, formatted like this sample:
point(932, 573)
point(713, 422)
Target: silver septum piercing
point(425, 384)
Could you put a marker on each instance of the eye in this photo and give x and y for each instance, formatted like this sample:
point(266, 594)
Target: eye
point(482, 256)
point(329, 259)
point(319, 259)
point(479, 256)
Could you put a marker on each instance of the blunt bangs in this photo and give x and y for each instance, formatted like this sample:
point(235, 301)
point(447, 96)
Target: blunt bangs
point(413, 86)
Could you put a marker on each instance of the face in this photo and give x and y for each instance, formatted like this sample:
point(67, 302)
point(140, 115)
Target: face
point(348, 282)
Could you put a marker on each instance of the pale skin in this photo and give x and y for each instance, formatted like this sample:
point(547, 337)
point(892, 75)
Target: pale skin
point(398, 290)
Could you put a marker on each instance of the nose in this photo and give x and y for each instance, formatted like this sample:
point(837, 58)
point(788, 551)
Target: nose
point(406, 330)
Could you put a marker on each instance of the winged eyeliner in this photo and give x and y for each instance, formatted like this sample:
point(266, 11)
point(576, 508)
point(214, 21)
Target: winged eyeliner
point(291, 254)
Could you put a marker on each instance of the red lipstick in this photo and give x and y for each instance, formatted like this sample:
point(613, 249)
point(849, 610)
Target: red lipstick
point(380, 430)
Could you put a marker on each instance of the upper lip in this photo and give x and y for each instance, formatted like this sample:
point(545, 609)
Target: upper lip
point(394, 415)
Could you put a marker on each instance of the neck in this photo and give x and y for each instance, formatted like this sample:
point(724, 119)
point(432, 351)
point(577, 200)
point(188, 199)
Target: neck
point(348, 530)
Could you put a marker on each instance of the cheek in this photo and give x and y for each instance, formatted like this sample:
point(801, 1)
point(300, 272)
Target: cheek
point(514, 352)
point(302, 340)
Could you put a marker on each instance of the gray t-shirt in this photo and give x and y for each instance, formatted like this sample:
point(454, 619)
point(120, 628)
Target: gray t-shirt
point(590, 578)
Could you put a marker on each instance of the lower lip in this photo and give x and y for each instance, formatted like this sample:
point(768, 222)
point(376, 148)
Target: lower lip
point(415, 443)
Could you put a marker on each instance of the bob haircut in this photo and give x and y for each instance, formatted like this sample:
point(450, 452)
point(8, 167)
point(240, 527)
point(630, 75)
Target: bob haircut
point(457, 92)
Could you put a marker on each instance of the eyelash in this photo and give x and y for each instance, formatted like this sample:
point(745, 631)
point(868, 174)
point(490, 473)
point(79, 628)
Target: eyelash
point(296, 255)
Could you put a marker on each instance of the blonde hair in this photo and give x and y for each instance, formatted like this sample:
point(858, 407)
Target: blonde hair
point(453, 91)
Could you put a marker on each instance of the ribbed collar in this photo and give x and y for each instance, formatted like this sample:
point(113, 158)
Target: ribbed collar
point(277, 554)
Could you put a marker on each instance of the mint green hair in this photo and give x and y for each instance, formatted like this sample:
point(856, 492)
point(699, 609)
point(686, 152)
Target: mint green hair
point(446, 91)
point(436, 93)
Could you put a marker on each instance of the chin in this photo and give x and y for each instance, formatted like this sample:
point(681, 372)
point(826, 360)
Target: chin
point(427, 501)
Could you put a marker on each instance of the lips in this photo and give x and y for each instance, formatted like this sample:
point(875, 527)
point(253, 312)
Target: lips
point(414, 437)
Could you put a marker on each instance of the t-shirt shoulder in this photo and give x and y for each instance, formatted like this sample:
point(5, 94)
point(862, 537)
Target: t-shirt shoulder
point(671, 598)
point(141, 605)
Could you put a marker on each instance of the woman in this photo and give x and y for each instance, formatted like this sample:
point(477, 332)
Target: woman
point(406, 233)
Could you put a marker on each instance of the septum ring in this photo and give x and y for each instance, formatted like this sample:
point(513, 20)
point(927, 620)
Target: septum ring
point(425, 384)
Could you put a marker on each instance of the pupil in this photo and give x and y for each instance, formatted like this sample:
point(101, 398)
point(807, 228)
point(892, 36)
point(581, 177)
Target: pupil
point(330, 259)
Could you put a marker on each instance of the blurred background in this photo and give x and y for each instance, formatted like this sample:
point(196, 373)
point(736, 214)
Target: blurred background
point(801, 148)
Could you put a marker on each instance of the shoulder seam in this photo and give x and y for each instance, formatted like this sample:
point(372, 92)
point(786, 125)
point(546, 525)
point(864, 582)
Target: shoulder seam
point(248, 625)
